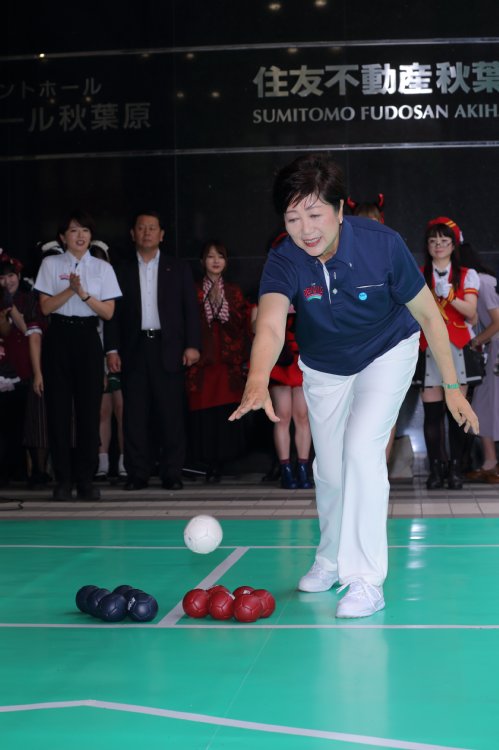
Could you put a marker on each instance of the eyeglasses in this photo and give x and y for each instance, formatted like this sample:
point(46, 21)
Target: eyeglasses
point(439, 241)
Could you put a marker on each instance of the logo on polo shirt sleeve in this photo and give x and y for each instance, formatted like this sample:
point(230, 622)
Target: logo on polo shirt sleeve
point(314, 291)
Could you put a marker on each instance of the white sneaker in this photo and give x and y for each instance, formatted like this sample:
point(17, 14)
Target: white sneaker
point(361, 600)
point(317, 579)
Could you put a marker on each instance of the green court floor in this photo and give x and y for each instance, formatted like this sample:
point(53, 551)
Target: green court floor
point(422, 674)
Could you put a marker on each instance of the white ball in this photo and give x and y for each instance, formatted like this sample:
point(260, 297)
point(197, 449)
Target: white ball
point(203, 534)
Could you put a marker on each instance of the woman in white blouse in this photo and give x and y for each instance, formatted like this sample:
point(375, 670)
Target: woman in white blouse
point(76, 290)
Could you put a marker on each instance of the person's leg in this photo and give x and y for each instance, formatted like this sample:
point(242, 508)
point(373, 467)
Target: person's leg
point(283, 406)
point(282, 402)
point(457, 444)
point(117, 409)
point(303, 437)
point(377, 395)
point(328, 399)
point(136, 410)
point(88, 379)
point(104, 434)
point(168, 394)
point(434, 435)
point(58, 395)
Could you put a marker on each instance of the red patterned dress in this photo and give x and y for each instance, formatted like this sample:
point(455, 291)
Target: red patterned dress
point(215, 384)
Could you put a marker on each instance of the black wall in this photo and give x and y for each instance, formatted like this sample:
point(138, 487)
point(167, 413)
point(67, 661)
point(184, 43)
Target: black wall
point(172, 105)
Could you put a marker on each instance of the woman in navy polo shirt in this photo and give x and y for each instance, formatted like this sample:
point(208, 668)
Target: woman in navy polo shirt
point(360, 301)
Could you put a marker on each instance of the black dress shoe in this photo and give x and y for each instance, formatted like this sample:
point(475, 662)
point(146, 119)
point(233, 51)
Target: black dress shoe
point(136, 484)
point(454, 476)
point(435, 479)
point(172, 483)
point(87, 492)
point(62, 493)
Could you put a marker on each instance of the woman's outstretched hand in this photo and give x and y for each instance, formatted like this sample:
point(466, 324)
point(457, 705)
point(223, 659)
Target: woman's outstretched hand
point(255, 396)
point(461, 410)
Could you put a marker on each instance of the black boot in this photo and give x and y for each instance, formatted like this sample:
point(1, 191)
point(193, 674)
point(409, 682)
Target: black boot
point(454, 476)
point(303, 478)
point(436, 477)
point(288, 481)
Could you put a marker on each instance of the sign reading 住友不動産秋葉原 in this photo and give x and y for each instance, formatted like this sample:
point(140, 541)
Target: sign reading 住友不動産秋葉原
point(244, 98)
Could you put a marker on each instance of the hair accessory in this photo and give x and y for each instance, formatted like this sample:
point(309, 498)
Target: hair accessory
point(449, 223)
point(53, 247)
point(368, 208)
point(9, 260)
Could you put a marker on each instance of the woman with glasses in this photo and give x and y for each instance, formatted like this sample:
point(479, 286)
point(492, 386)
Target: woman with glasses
point(455, 289)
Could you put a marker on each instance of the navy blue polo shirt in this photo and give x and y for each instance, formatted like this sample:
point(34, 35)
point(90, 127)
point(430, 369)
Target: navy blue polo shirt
point(363, 315)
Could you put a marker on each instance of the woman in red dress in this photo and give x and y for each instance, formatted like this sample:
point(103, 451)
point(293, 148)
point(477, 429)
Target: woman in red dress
point(216, 383)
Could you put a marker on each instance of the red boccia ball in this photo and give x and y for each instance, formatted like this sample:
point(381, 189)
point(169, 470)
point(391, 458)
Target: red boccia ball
point(267, 600)
point(247, 608)
point(218, 587)
point(195, 603)
point(241, 590)
point(221, 606)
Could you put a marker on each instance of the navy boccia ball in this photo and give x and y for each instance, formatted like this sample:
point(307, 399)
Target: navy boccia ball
point(131, 593)
point(93, 600)
point(123, 590)
point(142, 607)
point(82, 596)
point(112, 607)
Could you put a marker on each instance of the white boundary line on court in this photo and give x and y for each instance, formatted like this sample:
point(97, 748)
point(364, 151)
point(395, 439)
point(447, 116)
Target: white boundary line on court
point(222, 721)
point(412, 545)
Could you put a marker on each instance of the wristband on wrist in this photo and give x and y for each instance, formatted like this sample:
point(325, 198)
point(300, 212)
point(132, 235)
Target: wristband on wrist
point(85, 299)
point(450, 386)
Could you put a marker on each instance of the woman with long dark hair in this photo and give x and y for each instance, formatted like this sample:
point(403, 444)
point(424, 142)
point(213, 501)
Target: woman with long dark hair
point(455, 290)
point(215, 383)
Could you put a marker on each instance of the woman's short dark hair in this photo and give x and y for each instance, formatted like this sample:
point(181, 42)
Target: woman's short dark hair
point(313, 174)
point(81, 217)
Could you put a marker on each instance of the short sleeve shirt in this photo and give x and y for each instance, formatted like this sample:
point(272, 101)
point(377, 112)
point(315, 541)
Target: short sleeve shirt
point(363, 313)
point(97, 278)
point(488, 299)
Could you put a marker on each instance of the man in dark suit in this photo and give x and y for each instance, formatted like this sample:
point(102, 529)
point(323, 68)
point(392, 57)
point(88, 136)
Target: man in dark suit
point(153, 335)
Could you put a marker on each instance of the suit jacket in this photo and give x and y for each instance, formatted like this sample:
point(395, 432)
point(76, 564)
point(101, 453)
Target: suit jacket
point(177, 306)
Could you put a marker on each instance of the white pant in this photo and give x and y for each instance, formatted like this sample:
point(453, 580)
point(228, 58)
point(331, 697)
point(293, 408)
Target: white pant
point(351, 417)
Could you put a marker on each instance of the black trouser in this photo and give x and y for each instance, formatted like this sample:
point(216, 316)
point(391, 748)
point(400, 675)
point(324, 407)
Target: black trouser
point(73, 369)
point(152, 397)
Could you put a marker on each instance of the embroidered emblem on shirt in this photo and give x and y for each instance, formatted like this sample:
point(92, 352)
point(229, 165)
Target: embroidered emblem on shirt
point(314, 291)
